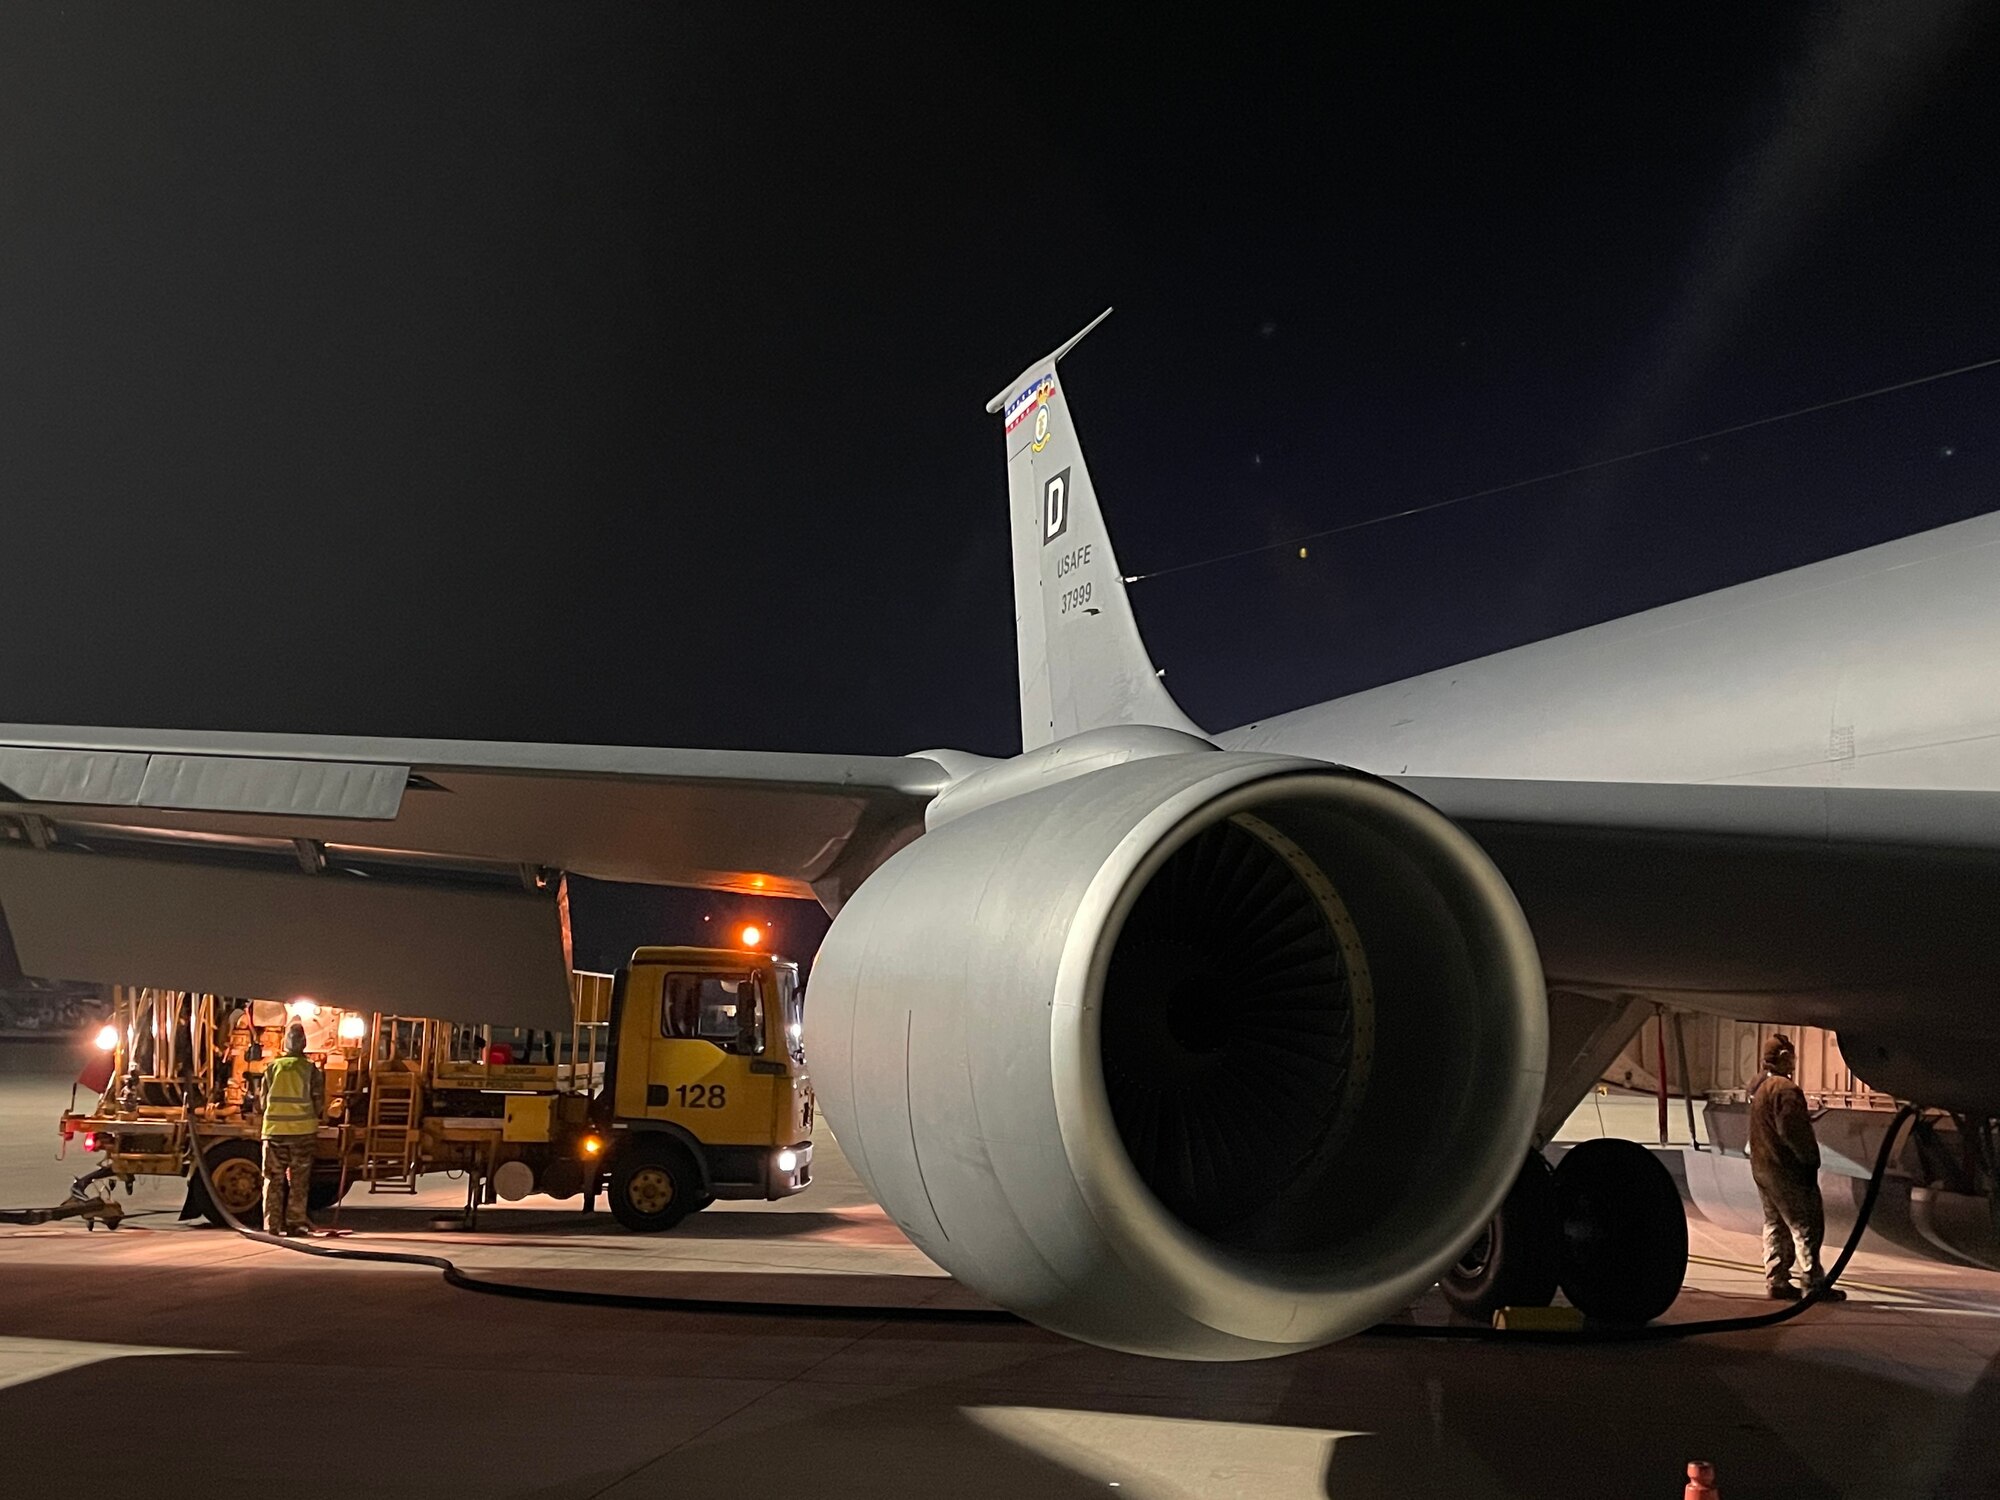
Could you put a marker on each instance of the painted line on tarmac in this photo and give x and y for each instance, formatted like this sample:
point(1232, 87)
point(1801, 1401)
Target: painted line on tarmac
point(23, 1359)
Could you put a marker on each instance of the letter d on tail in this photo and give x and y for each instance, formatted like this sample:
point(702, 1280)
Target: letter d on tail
point(1055, 507)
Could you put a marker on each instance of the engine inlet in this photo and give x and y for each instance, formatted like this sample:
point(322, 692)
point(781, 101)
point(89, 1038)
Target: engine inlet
point(1238, 1026)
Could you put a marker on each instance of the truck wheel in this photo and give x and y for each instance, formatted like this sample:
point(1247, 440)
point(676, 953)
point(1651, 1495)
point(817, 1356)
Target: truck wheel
point(237, 1170)
point(653, 1188)
point(1517, 1258)
point(1624, 1232)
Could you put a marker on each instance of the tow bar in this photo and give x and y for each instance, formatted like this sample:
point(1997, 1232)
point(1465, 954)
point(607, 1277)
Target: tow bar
point(88, 1207)
point(92, 1211)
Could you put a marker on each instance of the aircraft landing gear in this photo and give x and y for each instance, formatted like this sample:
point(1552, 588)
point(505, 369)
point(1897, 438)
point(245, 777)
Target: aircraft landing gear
point(1517, 1261)
point(1607, 1226)
point(1624, 1232)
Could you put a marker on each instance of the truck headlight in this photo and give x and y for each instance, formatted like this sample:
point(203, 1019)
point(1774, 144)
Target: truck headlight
point(788, 1161)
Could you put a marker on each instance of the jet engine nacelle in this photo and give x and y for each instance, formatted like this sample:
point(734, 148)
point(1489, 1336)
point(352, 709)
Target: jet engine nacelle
point(1208, 1055)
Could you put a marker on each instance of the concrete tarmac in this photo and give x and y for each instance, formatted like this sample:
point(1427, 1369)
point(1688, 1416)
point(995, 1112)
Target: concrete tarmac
point(174, 1360)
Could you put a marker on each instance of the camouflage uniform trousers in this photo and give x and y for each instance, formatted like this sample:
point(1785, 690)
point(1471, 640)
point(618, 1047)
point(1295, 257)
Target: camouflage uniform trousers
point(287, 1157)
point(1794, 1229)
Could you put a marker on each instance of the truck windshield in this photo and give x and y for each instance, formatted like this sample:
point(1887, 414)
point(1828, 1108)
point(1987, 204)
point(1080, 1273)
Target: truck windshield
point(725, 1009)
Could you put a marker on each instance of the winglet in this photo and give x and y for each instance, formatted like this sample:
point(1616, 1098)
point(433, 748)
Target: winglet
point(993, 406)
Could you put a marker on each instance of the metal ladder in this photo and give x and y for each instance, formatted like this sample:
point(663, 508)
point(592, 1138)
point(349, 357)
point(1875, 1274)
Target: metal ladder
point(389, 1151)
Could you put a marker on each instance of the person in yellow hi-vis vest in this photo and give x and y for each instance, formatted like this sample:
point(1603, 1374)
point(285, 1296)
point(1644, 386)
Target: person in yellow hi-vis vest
point(294, 1096)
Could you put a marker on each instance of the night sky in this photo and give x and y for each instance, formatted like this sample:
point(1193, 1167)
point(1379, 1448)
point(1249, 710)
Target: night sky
point(616, 373)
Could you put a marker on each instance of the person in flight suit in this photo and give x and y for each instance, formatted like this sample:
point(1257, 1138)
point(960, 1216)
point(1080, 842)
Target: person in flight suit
point(294, 1098)
point(1784, 1163)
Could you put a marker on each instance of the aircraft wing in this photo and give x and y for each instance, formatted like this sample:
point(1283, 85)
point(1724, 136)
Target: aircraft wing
point(1867, 910)
point(1832, 816)
point(362, 869)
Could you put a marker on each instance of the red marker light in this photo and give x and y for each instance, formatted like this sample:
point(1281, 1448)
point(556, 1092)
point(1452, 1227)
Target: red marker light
point(752, 936)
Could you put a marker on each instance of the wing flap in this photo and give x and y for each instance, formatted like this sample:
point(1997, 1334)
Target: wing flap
point(474, 955)
point(221, 783)
point(32, 773)
point(239, 783)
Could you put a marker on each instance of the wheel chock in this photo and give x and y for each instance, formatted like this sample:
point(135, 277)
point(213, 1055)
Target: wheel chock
point(1701, 1483)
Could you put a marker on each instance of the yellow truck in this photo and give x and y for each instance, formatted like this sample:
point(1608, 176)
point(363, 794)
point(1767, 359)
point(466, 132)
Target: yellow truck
point(682, 1080)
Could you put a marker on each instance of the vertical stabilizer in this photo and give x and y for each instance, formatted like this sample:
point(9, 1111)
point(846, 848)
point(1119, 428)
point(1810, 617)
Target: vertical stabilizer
point(1082, 663)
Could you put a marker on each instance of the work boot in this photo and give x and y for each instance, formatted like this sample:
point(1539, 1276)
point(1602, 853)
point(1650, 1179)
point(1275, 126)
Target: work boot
point(1830, 1294)
point(1782, 1291)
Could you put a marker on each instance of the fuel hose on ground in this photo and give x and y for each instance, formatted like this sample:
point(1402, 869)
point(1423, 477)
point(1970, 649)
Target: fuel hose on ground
point(872, 1313)
point(579, 1298)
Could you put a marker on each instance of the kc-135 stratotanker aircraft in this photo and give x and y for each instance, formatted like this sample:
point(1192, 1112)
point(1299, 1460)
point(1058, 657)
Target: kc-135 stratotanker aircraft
point(1202, 1045)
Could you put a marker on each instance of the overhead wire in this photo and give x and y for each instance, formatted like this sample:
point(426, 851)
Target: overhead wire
point(1569, 473)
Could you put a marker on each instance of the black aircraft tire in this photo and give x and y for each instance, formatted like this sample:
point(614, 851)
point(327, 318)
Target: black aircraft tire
point(653, 1187)
point(1624, 1232)
point(1516, 1262)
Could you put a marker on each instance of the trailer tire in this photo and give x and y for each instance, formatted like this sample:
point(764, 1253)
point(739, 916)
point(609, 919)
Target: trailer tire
point(237, 1170)
point(653, 1186)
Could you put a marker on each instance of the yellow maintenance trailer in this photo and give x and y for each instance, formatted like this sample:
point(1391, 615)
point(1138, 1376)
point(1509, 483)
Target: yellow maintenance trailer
point(682, 1080)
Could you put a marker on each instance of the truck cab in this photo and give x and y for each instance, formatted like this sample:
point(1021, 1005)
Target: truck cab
point(706, 1093)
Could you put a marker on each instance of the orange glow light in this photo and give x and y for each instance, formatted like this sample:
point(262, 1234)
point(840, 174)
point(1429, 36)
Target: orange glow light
point(752, 936)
